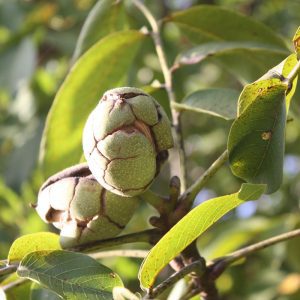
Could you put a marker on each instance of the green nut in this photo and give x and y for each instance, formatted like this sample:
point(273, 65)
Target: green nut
point(74, 202)
point(125, 140)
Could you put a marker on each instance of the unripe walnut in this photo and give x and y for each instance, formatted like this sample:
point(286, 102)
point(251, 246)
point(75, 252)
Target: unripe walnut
point(125, 140)
point(81, 208)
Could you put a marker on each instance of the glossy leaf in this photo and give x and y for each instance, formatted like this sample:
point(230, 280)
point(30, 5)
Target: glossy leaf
point(190, 227)
point(102, 67)
point(106, 17)
point(204, 23)
point(217, 102)
point(71, 275)
point(256, 138)
point(33, 242)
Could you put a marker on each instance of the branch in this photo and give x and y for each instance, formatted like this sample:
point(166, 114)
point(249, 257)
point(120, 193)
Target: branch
point(184, 107)
point(118, 253)
point(164, 205)
point(220, 264)
point(177, 133)
point(196, 267)
point(157, 201)
point(8, 269)
point(149, 236)
point(189, 195)
point(293, 74)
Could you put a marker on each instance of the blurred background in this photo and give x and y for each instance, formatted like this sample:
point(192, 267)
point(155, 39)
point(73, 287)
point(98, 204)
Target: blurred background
point(37, 42)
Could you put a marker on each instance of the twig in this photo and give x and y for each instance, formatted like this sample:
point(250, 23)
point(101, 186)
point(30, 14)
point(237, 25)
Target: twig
point(293, 74)
point(8, 269)
point(147, 236)
point(189, 195)
point(154, 200)
point(118, 253)
point(164, 205)
point(220, 264)
point(181, 107)
point(196, 267)
point(179, 143)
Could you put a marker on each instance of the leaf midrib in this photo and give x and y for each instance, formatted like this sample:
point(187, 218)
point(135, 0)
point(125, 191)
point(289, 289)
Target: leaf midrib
point(25, 272)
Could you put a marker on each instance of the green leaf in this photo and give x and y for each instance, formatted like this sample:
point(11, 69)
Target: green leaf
point(106, 17)
point(102, 67)
point(216, 102)
point(296, 41)
point(190, 227)
point(246, 52)
point(11, 203)
point(37, 292)
point(281, 71)
point(256, 138)
point(32, 242)
point(230, 235)
point(204, 23)
point(234, 56)
point(71, 275)
point(16, 292)
point(215, 49)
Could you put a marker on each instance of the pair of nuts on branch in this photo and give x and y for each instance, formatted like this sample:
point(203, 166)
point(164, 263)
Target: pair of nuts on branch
point(125, 142)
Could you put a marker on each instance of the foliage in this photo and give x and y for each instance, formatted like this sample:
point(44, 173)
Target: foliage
point(226, 74)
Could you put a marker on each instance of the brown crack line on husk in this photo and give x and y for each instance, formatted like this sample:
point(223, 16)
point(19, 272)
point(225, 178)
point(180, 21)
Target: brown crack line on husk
point(102, 211)
point(80, 170)
point(120, 158)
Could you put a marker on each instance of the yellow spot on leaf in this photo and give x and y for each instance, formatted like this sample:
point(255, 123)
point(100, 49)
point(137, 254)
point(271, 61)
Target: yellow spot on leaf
point(266, 135)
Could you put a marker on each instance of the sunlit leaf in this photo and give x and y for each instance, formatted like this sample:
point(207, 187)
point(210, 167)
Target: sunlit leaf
point(102, 67)
point(71, 275)
point(217, 102)
point(281, 71)
point(190, 227)
point(33, 242)
point(106, 17)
